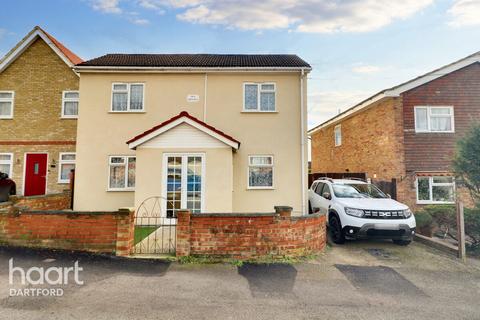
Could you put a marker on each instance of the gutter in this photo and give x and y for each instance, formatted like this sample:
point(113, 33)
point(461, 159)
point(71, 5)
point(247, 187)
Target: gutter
point(80, 68)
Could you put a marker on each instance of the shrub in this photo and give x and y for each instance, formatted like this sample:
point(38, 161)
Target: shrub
point(423, 219)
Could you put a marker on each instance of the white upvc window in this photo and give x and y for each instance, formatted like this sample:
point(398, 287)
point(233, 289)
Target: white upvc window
point(70, 101)
point(259, 97)
point(6, 104)
point(434, 119)
point(260, 172)
point(6, 163)
point(338, 135)
point(121, 175)
point(66, 163)
point(128, 97)
point(435, 190)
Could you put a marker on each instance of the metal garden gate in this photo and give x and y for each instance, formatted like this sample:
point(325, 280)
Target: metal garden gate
point(155, 231)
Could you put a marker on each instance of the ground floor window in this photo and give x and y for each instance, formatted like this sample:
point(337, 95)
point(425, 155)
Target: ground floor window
point(6, 163)
point(121, 173)
point(435, 189)
point(66, 164)
point(260, 172)
point(184, 183)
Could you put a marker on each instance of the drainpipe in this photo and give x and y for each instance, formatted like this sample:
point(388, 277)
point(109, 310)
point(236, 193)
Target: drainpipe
point(302, 141)
point(205, 99)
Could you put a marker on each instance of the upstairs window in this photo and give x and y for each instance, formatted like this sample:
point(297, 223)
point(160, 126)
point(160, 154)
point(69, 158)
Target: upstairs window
point(66, 165)
point(121, 173)
point(6, 104)
point(259, 97)
point(70, 104)
point(434, 119)
point(260, 172)
point(6, 163)
point(127, 97)
point(435, 190)
point(338, 135)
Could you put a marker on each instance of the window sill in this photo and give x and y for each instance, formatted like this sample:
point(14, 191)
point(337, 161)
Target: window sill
point(63, 182)
point(257, 111)
point(120, 190)
point(435, 202)
point(122, 112)
point(434, 131)
point(6, 118)
point(69, 118)
point(260, 188)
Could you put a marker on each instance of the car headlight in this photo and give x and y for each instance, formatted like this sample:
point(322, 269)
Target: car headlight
point(407, 213)
point(354, 212)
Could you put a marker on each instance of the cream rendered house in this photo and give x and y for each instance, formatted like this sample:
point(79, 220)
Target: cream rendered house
point(212, 133)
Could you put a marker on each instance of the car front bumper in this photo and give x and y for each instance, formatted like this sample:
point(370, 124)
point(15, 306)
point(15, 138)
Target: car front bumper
point(380, 231)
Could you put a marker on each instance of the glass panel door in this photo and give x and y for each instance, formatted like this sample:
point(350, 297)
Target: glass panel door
point(184, 183)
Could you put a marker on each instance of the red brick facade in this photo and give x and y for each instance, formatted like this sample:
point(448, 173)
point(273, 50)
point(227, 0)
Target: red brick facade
point(250, 236)
point(381, 139)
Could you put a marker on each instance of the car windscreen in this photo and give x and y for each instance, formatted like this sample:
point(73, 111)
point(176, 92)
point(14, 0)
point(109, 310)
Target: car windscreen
point(363, 190)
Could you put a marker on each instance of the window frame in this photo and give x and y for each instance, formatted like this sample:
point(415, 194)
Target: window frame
point(431, 185)
point(259, 91)
point(11, 100)
point(337, 129)
point(429, 117)
point(10, 163)
point(264, 166)
point(64, 99)
point(128, 84)
point(126, 188)
point(62, 162)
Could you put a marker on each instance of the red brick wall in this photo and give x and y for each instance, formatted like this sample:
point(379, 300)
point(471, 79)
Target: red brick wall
point(249, 236)
point(433, 151)
point(102, 232)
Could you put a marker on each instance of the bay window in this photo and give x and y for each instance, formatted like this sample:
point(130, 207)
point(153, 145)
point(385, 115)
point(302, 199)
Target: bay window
point(121, 173)
point(436, 189)
point(260, 172)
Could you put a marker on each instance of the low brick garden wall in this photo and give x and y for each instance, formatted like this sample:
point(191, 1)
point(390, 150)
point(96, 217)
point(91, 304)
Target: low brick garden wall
point(100, 232)
point(57, 201)
point(250, 236)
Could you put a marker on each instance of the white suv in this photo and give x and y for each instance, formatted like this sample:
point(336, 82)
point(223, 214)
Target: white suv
point(357, 209)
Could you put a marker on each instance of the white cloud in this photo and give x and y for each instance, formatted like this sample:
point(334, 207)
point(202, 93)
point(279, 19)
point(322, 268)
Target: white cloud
point(465, 13)
point(107, 6)
point(366, 69)
point(139, 21)
point(323, 105)
point(320, 16)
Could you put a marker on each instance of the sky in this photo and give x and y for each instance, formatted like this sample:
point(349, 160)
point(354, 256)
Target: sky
point(356, 47)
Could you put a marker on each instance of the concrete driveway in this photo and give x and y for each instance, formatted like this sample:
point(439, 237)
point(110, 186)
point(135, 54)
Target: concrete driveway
point(359, 280)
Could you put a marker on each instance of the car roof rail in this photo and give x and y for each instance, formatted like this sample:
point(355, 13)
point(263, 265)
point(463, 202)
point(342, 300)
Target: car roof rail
point(325, 178)
point(355, 178)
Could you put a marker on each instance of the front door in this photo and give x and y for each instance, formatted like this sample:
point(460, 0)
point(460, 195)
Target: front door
point(35, 174)
point(184, 182)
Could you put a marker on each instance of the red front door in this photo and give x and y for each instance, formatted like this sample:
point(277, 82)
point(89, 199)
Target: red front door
point(35, 174)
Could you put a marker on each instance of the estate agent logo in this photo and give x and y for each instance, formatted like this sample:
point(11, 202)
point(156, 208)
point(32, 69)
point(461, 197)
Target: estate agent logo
point(39, 276)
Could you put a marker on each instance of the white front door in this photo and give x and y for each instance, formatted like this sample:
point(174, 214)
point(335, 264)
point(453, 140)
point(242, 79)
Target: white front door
point(183, 183)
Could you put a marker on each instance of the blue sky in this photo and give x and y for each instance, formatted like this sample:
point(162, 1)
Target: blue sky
point(356, 47)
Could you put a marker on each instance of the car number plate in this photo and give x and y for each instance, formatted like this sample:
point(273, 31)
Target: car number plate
point(386, 226)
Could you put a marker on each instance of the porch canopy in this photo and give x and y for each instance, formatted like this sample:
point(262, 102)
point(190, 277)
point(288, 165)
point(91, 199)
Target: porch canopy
point(186, 162)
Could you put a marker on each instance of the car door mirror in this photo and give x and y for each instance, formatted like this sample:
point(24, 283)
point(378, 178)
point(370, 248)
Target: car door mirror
point(327, 195)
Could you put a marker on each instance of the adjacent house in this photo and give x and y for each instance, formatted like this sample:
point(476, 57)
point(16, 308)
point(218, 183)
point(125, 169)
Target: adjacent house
point(407, 133)
point(38, 113)
point(211, 133)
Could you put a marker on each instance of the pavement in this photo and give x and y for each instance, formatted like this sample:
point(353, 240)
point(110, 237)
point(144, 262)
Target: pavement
point(358, 280)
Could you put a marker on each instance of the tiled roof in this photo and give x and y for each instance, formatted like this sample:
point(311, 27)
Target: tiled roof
point(199, 61)
point(177, 117)
point(69, 54)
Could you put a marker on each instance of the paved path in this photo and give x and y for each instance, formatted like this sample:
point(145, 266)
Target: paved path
point(360, 280)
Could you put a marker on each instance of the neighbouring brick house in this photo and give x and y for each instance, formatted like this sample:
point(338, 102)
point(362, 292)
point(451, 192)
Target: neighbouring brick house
point(407, 133)
point(38, 113)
